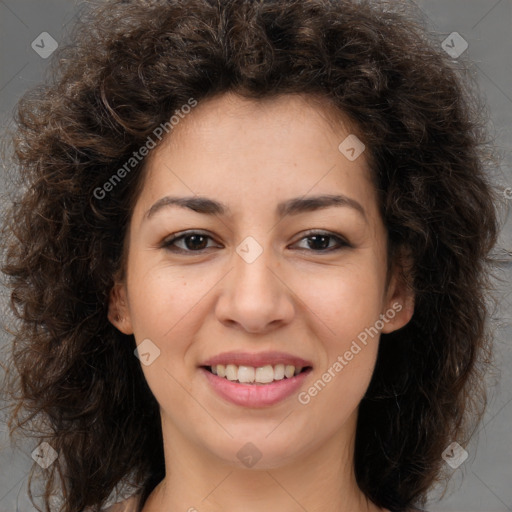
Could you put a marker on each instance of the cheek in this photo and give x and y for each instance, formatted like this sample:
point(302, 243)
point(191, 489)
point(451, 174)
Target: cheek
point(168, 309)
point(337, 391)
point(164, 301)
point(344, 301)
point(346, 310)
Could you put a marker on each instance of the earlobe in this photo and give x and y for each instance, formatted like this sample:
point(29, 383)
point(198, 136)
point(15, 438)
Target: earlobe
point(398, 314)
point(400, 303)
point(118, 312)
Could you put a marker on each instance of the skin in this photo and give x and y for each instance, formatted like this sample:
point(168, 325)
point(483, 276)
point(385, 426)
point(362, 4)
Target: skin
point(293, 298)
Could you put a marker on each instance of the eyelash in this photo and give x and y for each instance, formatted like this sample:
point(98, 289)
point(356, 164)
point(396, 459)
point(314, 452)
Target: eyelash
point(168, 243)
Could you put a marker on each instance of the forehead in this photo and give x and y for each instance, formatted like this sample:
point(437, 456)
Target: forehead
point(287, 115)
point(258, 150)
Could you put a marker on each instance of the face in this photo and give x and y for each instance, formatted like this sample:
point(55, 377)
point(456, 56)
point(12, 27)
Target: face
point(281, 268)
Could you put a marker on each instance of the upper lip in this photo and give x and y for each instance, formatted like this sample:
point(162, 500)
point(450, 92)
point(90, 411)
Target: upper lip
point(256, 359)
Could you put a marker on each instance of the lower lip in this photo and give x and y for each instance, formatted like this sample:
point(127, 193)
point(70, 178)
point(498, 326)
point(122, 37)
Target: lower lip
point(255, 395)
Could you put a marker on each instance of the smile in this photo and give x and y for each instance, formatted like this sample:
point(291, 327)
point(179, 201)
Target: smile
point(256, 394)
point(255, 375)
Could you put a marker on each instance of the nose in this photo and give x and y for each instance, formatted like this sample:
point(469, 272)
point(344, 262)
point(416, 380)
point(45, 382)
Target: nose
point(254, 296)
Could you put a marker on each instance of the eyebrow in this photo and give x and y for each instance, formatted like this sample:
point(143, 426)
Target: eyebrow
point(292, 206)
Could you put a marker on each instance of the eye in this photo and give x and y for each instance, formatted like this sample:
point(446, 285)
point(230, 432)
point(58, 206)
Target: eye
point(319, 241)
point(196, 241)
point(191, 241)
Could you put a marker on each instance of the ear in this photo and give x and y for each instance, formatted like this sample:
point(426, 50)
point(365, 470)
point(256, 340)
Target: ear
point(118, 311)
point(399, 303)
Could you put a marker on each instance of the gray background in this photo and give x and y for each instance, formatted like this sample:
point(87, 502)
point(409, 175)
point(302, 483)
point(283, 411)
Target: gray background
point(483, 483)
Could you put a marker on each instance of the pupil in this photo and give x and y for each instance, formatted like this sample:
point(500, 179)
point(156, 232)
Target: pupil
point(324, 238)
point(195, 244)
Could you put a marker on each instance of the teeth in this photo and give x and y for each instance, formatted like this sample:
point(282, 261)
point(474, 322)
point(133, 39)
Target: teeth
point(245, 374)
point(279, 371)
point(261, 375)
point(264, 374)
point(289, 371)
point(231, 372)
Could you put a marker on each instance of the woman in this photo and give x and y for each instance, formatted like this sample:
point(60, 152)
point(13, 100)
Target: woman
point(250, 261)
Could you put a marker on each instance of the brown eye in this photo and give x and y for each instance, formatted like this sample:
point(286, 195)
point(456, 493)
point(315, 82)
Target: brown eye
point(324, 242)
point(187, 242)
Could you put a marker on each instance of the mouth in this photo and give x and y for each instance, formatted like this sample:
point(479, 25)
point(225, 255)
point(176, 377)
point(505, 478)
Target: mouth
point(255, 379)
point(260, 375)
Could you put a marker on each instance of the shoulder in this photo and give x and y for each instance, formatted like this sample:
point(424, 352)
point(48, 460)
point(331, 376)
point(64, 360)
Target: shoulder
point(129, 505)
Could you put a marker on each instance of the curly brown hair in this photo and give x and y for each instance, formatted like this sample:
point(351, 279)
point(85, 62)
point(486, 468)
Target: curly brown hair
point(73, 378)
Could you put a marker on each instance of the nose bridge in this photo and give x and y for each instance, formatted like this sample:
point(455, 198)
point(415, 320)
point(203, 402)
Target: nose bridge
point(254, 297)
point(252, 277)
